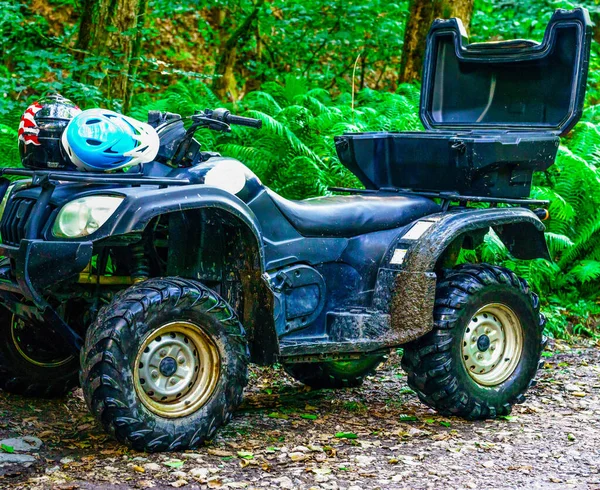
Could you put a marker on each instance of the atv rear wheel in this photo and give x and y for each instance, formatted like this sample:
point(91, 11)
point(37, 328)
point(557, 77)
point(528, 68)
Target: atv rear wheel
point(485, 347)
point(31, 364)
point(164, 365)
point(335, 374)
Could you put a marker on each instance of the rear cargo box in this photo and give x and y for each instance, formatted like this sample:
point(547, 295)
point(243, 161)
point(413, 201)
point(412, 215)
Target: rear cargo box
point(493, 113)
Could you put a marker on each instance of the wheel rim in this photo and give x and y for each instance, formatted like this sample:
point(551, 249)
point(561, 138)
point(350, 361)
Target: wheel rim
point(26, 346)
point(176, 369)
point(492, 344)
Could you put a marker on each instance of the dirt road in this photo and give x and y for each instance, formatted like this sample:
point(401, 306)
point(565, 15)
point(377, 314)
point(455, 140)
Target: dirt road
point(378, 436)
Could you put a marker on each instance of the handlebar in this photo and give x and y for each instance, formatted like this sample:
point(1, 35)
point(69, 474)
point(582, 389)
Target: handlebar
point(224, 116)
point(245, 121)
point(217, 119)
point(182, 147)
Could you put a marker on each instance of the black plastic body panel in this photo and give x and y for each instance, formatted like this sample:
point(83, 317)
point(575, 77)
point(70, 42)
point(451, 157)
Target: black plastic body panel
point(38, 266)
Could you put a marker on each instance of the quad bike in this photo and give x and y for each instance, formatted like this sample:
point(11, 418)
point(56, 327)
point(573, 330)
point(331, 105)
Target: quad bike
point(156, 287)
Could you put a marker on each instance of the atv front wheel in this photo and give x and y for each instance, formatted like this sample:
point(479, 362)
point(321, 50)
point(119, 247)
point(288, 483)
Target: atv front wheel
point(30, 363)
point(334, 374)
point(485, 347)
point(164, 365)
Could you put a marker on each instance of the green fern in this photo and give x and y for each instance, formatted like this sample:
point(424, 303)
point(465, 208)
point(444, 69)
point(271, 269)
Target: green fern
point(585, 271)
point(9, 145)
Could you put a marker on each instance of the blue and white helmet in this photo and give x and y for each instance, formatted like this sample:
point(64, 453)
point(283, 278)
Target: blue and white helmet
point(100, 140)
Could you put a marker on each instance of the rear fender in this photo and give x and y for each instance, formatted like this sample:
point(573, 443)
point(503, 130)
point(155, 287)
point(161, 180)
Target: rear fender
point(407, 279)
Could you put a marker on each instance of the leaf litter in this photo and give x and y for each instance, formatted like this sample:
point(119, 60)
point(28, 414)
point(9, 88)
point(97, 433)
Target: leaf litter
point(380, 435)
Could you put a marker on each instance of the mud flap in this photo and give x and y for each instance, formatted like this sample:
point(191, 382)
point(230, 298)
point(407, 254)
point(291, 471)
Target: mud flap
point(412, 306)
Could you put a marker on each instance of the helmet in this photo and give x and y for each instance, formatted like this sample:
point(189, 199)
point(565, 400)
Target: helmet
point(99, 140)
point(40, 130)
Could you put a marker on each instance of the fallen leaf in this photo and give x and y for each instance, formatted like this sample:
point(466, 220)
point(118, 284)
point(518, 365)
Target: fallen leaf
point(174, 463)
point(298, 456)
point(219, 452)
point(215, 483)
point(346, 435)
point(179, 483)
point(7, 449)
point(277, 415)
point(407, 418)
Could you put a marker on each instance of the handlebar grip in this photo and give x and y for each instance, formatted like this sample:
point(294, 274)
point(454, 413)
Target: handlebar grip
point(244, 121)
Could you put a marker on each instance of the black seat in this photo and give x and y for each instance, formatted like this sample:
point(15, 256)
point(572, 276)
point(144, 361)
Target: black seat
point(346, 216)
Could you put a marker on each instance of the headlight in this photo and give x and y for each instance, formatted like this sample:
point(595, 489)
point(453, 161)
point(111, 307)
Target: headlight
point(84, 216)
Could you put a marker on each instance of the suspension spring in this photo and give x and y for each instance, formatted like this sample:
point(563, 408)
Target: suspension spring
point(140, 270)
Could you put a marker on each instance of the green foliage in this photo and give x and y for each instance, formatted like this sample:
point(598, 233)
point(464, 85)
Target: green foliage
point(571, 315)
point(294, 152)
point(8, 143)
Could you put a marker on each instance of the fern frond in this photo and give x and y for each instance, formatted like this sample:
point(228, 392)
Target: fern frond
point(585, 271)
point(557, 243)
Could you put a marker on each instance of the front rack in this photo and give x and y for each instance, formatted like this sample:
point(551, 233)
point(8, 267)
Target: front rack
point(40, 176)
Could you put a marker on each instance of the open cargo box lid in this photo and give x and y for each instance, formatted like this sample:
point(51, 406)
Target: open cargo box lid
point(493, 113)
point(515, 85)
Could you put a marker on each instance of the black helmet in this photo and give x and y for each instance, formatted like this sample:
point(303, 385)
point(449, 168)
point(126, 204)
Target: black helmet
point(40, 132)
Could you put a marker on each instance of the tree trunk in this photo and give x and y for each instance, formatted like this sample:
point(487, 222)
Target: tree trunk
point(422, 14)
point(112, 31)
point(224, 82)
point(136, 52)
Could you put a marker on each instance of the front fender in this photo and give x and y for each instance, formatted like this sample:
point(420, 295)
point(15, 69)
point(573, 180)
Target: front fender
point(141, 205)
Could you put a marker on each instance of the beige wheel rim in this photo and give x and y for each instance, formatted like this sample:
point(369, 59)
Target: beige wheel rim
point(16, 325)
point(492, 344)
point(176, 369)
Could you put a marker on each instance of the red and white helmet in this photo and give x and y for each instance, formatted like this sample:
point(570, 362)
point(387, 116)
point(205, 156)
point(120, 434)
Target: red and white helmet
point(40, 132)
